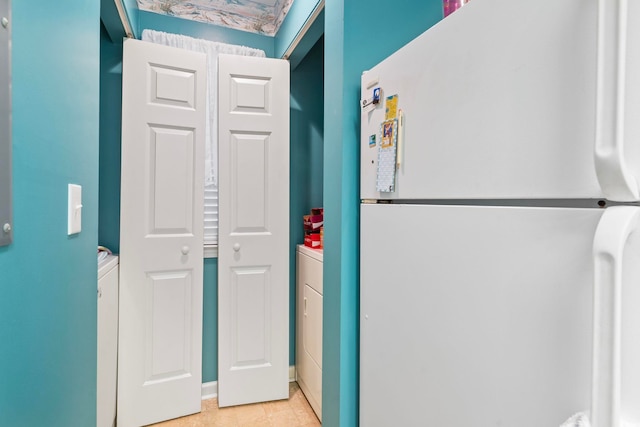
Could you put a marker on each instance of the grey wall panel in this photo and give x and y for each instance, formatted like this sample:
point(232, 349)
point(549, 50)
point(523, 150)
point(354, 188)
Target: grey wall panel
point(5, 124)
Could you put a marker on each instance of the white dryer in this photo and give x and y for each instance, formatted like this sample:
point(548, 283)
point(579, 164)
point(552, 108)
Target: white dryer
point(309, 325)
point(107, 341)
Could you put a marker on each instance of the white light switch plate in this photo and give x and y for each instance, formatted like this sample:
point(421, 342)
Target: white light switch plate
point(74, 223)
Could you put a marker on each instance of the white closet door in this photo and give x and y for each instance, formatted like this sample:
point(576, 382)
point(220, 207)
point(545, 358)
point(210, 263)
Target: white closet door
point(160, 333)
point(253, 281)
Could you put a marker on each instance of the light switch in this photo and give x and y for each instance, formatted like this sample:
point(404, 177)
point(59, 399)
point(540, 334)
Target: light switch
point(74, 223)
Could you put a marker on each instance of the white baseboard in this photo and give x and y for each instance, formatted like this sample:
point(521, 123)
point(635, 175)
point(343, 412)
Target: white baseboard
point(210, 389)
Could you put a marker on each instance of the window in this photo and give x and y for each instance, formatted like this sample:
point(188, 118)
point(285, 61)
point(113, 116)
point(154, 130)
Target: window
point(210, 220)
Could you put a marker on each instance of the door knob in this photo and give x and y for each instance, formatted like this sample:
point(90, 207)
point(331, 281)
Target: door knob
point(185, 250)
point(236, 247)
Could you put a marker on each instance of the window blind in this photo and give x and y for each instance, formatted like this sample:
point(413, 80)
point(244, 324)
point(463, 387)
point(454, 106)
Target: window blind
point(210, 214)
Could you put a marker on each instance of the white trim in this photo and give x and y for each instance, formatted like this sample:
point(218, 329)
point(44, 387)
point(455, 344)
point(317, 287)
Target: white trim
point(211, 251)
point(312, 18)
point(124, 19)
point(292, 373)
point(210, 390)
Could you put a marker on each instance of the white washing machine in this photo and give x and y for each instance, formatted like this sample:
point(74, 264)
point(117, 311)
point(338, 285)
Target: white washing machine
point(107, 341)
point(309, 325)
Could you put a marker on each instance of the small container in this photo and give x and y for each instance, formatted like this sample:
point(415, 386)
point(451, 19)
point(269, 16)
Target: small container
point(313, 222)
point(312, 240)
point(450, 6)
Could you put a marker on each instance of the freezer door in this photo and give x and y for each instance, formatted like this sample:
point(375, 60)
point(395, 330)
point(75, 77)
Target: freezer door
point(483, 316)
point(506, 99)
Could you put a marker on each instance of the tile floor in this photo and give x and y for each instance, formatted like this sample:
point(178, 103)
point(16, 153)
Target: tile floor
point(295, 412)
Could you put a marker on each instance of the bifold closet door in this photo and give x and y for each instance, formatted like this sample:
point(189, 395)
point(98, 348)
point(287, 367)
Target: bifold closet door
point(161, 232)
point(253, 255)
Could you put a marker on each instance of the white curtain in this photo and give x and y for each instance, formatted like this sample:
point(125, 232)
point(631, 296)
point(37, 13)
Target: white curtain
point(212, 50)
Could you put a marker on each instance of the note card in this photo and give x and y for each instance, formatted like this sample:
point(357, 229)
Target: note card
point(387, 150)
point(391, 107)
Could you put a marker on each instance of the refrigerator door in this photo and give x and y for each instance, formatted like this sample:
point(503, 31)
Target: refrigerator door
point(483, 316)
point(505, 99)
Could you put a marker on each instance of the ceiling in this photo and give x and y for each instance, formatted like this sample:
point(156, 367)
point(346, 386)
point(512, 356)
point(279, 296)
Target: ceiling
point(256, 16)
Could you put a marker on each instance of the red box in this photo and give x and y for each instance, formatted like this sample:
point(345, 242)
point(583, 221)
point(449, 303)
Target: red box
point(313, 223)
point(312, 240)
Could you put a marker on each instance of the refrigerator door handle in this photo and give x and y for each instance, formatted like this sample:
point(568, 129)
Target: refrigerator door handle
point(612, 233)
point(616, 180)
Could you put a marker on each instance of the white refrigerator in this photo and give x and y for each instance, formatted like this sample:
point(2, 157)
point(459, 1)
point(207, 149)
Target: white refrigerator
point(500, 252)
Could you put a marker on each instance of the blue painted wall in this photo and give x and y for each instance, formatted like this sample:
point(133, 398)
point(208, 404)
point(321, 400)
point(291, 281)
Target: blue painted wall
point(296, 18)
point(306, 166)
point(311, 37)
point(110, 133)
point(169, 24)
point(210, 321)
point(356, 39)
point(133, 14)
point(110, 19)
point(47, 279)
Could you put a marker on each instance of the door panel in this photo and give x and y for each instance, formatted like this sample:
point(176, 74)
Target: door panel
point(490, 110)
point(630, 321)
point(250, 94)
point(161, 262)
point(479, 314)
point(313, 324)
point(172, 87)
point(249, 167)
point(168, 343)
point(171, 157)
point(253, 257)
point(251, 317)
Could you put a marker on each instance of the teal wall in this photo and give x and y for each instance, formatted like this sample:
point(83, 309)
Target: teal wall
point(306, 161)
point(133, 14)
point(210, 321)
point(169, 24)
point(358, 35)
point(299, 13)
point(48, 282)
point(110, 131)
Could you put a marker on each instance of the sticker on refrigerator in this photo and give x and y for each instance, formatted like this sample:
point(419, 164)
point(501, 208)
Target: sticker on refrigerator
point(386, 176)
point(391, 107)
point(370, 104)
point(389, 133)
point(372, 141)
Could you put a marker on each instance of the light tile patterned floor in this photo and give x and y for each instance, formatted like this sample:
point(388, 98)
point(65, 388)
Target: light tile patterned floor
point(294, 412)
